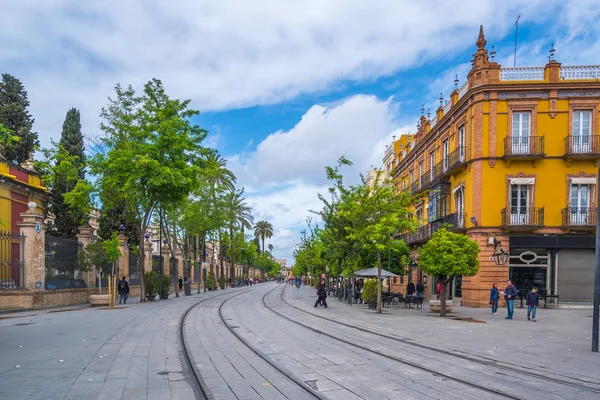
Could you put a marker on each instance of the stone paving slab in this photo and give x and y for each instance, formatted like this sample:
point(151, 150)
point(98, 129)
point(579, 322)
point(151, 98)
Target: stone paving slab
point(91, 353)
point(228, 368)
point(302, 351)
point(558, 343)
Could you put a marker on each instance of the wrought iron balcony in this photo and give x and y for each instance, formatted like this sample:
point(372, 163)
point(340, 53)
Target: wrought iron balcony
point(425, 180)
point(524, 147)
point(456, 159)
point(582, 147)
point(414, 187)
point(522, 217)
point(579, 217)
point(423, 233)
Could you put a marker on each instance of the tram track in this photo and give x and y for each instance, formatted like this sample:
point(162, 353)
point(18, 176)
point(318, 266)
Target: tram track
point(581, 384)
point(196, 376)
point(417, 365)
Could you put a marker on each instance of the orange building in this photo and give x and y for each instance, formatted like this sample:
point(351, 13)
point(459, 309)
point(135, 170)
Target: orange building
point(510, 159)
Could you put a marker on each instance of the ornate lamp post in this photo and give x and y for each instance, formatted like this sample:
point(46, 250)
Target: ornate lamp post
point(500, 256)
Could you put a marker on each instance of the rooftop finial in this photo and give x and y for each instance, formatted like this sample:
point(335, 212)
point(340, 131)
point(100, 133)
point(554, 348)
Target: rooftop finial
point(481, 42)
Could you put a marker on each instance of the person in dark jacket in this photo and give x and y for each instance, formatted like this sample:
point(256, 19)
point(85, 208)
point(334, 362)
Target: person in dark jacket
point(180, 283)
point(532, 303)
point(420, 289)
point(494, 296)
point(410, 289)
point(123, 289)
point(321, 294)
point(510, 294)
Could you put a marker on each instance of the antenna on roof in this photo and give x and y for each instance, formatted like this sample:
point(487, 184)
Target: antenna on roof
point(516, 37)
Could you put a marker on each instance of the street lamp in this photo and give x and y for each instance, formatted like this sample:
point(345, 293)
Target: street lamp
point(500, 256)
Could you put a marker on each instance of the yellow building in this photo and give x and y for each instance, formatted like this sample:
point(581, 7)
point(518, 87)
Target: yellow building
point(511, 159)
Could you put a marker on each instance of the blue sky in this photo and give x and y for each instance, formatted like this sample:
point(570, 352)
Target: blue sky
point(284, 87)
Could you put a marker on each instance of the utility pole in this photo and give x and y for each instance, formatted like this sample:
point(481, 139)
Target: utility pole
point(596, 315)
point(516, 37)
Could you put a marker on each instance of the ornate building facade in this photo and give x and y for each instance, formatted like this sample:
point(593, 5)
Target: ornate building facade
point(510, 159)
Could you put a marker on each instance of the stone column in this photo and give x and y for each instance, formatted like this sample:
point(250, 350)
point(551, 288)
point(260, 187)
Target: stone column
point(180, 268)
point(123, 258)
point(84, 237)
point(147, 256)
point(34, 231)
point(166, 262)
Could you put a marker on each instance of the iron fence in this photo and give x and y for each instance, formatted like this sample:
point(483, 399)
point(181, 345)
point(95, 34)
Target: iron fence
point(12, 260)
point(174, 269)
point(61, 263)
point(156, 263)
point(134, 268)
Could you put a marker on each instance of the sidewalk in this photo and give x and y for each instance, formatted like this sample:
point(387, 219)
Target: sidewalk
point(132, 352)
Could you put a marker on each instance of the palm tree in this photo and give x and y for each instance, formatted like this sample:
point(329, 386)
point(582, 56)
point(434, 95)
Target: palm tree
point(263, 230)
point(270, 246)
point(239, 215)
point(218, 178)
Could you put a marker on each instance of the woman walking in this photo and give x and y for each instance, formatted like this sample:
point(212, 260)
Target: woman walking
point(494, 295)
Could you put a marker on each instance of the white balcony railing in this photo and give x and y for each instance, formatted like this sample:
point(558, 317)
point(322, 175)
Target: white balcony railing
point(433, 122)
point(580, 72)
point(463, 89)
point(522, 74)
point(447, 107)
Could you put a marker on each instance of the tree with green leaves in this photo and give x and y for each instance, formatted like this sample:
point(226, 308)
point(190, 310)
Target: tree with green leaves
point(376, 216)
point(151, 153)
point(70, 196)
point(263, 230)
point(447, 255)
point(67, 219)
point(239, 216)
point(14, 116)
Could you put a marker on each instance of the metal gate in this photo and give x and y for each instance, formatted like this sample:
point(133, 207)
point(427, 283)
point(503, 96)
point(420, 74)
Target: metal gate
point(12, 260)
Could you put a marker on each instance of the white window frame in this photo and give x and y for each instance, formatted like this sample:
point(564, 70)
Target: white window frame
point(521, 132)
point(581, 133)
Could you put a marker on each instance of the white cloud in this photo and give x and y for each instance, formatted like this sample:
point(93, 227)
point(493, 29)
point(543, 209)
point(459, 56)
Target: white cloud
point(225, 54)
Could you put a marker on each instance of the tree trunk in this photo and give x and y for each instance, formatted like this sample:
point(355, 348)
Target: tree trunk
point(141, 264)
point(201, 265)
point(443, 296)
point(221, 267)
point(231, 256)
point(378, 282)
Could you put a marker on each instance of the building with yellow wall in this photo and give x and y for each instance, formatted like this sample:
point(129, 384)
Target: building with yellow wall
point(510, 159)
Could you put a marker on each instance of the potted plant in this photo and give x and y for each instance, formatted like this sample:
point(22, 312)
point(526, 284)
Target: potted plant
point(151, 285)
point(166, 283)
point(210, 281)
point(369, 293)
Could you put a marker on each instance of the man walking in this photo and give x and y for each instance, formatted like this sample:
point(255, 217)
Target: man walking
point(123, 289)
point(410, 290)
point(321, 294)
point(510, 294)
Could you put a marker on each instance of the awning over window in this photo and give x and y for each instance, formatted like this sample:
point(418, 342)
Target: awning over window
point(522, 181)
point(583, 181)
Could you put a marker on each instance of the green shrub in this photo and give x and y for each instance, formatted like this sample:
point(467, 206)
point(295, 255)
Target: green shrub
point(166, 284)
point(151, 283)
point(210, 281)
point(222, 282)
point(369, 292)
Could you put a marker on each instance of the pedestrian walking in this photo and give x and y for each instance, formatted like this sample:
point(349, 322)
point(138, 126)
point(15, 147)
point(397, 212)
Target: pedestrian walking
point(123, 289)
point(494, 295)
point(420, 289)
point(439, 290)
point(532, 303)
point(180, 283)
point(510, 294)
point(297, 282)
point(410, 289)
point(321, 294)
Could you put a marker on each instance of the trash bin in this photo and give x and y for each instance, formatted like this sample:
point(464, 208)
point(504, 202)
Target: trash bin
point(187, 286)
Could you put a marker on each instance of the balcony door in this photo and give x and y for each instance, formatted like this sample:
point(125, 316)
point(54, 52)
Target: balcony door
point(521, 130)
point(519, 204)
point(461, 143)
point(459, 207)
point(582, 131)
point(445, 149)
point(580, 203)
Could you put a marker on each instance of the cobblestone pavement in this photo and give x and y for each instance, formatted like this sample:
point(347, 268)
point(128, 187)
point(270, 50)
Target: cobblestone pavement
point(339, 370)
point(89, 353)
